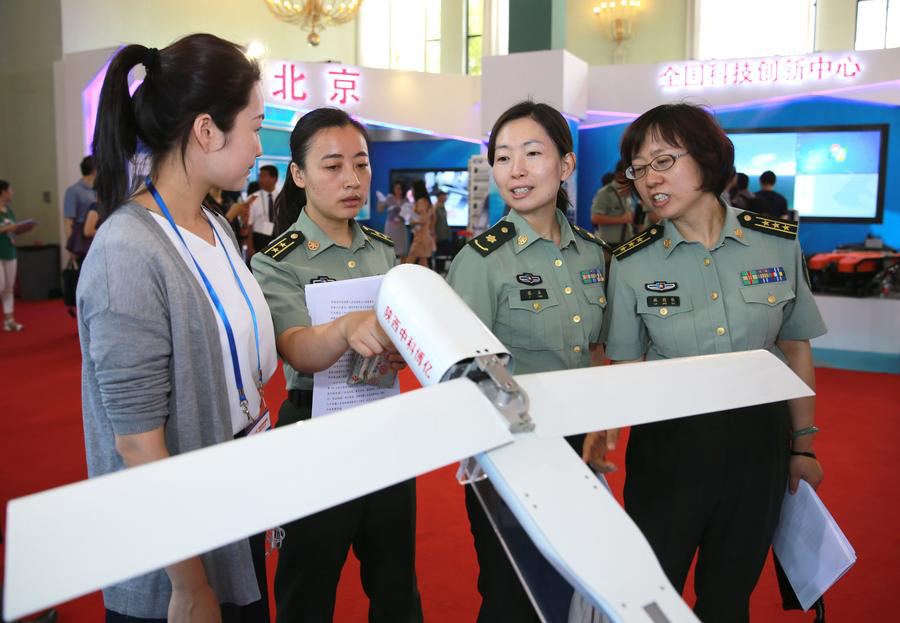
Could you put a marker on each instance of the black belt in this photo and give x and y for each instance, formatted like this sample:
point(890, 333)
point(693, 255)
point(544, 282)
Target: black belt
point(300, 397)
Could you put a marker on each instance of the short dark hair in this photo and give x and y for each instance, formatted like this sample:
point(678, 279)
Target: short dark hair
point(197, 74)
point(607, 178)
point(692, 128)
point(742, 181)
point(420, 191)
point(4, 186)
point(270, 169)
point(768, 178)
point(292, 198)
point(554, 124)
point(87, 165)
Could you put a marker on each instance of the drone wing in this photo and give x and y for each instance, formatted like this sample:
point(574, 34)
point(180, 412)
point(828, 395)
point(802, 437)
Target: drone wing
point(71, 540)
point(588, 399)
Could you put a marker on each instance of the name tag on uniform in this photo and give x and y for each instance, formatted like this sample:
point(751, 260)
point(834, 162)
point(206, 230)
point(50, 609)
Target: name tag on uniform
point(533, 294)
point(763, 275)
point(663, 301)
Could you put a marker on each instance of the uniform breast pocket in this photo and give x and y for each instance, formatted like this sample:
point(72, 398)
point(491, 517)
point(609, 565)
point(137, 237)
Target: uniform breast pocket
point(670, 324)
point(764, 307)
point(530, 319)
point(596, 305)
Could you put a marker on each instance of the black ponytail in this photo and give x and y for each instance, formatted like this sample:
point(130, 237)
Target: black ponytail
point(292, 198)
point(553, 123)
point(197, 74)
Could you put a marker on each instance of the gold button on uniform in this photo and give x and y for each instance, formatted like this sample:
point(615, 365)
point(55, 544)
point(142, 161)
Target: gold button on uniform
point(577, 349)
point(771, 298)
point(351, 264)
point(537, 306)
point(557, 263)
point(720, 331)
point(664, 311)
point(602, 300)
point(714, 296)
point(568, 290)
point(706, 262)
point(576, 318)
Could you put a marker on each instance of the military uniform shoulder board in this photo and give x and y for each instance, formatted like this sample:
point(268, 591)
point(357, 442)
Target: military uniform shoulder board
point(282, 246)
point(767, 225)
point(374, 233)
point(590, 237)
point(638, 242)
point(493, 239)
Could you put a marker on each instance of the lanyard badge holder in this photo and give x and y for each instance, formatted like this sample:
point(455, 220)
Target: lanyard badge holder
point(262, 422)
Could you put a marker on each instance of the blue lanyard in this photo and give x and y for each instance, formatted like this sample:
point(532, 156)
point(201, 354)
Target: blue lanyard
point(238, 380)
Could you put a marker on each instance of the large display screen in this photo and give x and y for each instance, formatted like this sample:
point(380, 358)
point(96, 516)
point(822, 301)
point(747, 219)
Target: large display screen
point(455, 182)
point(825, 173)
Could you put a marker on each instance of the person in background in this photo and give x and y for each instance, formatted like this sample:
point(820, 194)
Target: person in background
point(706, 279)
point(613, 209)
point(235, 212)
point(776, 204)
point(443, 236)
point(423, 221)
point(394, 223)
point(740, 194)
point(326, 186)
point(176, 337)
point(607, 178)
point(79, 198)
point(7, 257)
point(262, 210)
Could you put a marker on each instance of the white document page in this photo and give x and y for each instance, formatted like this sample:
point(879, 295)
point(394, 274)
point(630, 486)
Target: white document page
point(326, 302)
point(810, 545)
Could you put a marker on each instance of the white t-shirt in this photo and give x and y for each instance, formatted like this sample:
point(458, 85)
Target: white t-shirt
point(215, 266)
point(259, 213)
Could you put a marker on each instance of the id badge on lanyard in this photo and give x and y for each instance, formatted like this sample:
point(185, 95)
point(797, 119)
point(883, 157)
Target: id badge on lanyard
point(261, 422)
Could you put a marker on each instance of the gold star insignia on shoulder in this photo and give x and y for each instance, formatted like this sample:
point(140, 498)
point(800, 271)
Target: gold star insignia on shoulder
point(282, 246)
point(590, 236)
point(377, 235)
point(493, 239)
point(638, 242)
point(768, 225)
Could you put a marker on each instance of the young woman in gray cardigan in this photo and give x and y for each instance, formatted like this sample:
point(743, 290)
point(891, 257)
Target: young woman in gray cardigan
point(160, 375)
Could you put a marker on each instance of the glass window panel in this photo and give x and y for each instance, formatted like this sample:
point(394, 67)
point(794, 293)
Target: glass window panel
point(871, 16)
point(374, 23)
point(407, 35)
point(473, 56)
point(433, 57)
point(433, 20)
point(893, 25)
point(475, 15)
point(786, 24)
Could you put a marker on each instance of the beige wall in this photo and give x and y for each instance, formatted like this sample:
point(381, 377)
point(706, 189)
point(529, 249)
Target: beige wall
point(93, 24)
point(659, 35)
point(835, 25)
point(29, 43)
point(453, 28)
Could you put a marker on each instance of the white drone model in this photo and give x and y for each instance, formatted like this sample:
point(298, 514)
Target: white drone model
point(75, 539)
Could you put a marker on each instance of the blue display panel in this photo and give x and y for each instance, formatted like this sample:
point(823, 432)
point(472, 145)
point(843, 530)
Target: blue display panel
point(827, 174)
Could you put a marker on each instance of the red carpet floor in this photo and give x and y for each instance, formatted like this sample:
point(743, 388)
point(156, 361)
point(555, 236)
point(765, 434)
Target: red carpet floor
point(41, 446)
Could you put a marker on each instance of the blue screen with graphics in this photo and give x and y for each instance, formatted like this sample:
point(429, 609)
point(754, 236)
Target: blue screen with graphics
point(822, 174)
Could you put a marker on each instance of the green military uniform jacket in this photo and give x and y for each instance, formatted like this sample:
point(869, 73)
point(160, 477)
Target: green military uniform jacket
point(305, 254)
point(544, 303)
point(674, 298)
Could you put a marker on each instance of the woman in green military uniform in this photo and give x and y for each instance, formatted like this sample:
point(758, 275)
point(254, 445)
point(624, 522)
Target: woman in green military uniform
point(708, 279)
point(538, 283)
point(330, 174)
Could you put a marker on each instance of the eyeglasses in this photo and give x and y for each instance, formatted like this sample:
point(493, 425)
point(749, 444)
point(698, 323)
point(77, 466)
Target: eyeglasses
point(662, 162)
